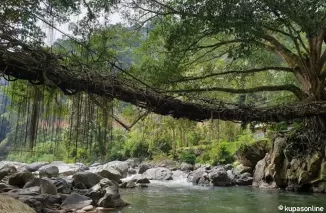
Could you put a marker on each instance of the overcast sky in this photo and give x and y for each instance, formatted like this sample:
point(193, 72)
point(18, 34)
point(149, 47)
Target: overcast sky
point(52, 34)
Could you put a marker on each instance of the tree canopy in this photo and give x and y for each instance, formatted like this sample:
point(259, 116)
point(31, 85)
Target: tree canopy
point(189, 56)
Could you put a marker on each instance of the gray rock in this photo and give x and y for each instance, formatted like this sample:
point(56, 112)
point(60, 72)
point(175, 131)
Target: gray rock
point(87, 178)
point(143, 168)
point(121, 166)
point(231, 174)
point(259, 173)
point(131, 184)
point(186, 167)
point(33, 167)
point(133, 162)
point(49, 171)
point(111, 199)
point(6, 170)
point(240, 169)
point(33, 182)
point(132, 171)
point(47, 187)
point(98, 191)
point(109, 172)
point(76, 201)
point(159, 173)
point(62, 185)
point(244, 181)
point(219, 177)
point(142, 181)
point(20, 179)
point(228, 167)
point(31, 191)
point(245, 175)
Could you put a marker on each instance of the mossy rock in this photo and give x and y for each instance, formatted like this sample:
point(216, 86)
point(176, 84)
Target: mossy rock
point(250, 154)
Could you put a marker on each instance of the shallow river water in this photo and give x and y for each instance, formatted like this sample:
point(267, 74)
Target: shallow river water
point(182, 197)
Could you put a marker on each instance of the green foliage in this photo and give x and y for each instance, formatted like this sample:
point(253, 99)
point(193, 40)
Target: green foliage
point(187, 156)
point(47, 151)
point(136, 146)
point(221, 154)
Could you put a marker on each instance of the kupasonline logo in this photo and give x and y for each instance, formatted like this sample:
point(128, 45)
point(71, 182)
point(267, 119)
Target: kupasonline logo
point(300, 209)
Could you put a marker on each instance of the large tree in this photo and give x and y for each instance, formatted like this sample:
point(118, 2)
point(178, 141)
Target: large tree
point(194, 32)
point(295, 30)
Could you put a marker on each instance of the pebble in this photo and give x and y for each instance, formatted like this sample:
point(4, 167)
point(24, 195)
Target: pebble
point(88, 208)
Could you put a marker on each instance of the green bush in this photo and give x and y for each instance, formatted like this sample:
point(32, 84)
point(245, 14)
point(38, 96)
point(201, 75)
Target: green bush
point(162, 145)
point(188, 156)
point(221, 154)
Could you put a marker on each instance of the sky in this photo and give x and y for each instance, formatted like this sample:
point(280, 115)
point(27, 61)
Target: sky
point(52, 34)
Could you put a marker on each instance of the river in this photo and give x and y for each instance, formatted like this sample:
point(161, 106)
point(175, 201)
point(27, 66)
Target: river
point(181, 197)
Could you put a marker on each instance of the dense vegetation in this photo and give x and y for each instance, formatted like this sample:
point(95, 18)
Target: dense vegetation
point(237, 54)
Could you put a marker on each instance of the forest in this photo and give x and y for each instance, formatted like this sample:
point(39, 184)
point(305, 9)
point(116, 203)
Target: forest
point(187, 81)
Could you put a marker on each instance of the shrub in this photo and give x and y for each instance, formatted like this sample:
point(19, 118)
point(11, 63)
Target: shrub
point(188, 156)
point(220, 154)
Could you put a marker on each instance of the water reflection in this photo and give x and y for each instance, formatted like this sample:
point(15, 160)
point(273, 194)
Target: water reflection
point(173, 197)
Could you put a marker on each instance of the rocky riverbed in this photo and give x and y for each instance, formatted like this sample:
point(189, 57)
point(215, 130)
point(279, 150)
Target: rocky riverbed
point(58, 187)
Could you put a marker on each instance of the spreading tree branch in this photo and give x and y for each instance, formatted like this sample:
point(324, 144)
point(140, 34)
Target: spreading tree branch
point(288, 87)
point(255, 70)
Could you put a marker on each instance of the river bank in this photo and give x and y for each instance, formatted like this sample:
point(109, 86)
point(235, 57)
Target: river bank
point(58, 187)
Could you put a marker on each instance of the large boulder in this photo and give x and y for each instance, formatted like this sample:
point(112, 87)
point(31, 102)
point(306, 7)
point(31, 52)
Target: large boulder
point(20, 179)
point(259, 173)
point(199, 176)
point(49, 171)
point(159, 173)
point(121, 166)
point(111, 198)
point(106, 194)
point(109, 172)
point(249, 154)
point(11, 205)
point(219, 177)
point(33, 167)
point(76, 201)
point(88, 179)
